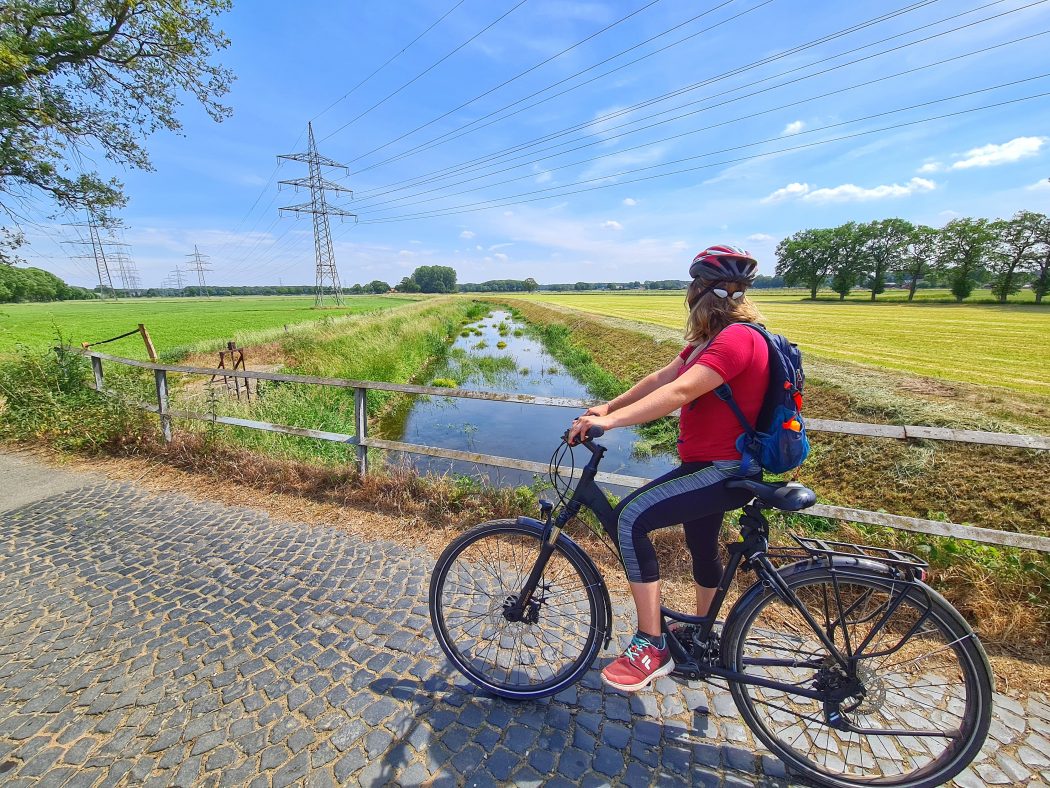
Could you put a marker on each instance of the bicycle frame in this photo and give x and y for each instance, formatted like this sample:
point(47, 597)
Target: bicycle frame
point(751, 552)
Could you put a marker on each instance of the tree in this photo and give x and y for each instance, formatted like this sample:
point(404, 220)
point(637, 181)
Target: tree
point(961, 251)
point(531, 285)
point(581, 286)
point(98, 74)
point(357, 290)
point(407, 285)
point(848, 252)
point(1014, 250)
point(886, 243)
point(435, 278)
point(918, 256)
point(1041, 283)
point(377, 286)
point(806, 258)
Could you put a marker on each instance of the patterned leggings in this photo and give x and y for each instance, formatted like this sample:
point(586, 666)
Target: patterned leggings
point(693, 494)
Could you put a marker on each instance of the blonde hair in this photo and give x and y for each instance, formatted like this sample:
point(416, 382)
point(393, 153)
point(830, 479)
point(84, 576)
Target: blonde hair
point(709, 314)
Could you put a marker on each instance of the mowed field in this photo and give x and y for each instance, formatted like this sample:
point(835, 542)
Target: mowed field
point(986, 344)
point(176, 325)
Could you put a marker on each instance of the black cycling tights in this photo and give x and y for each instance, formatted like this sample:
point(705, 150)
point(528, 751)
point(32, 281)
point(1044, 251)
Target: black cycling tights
point(693, 494)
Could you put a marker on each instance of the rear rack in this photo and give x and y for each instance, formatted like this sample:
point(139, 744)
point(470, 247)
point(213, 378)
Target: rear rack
point(897, 558)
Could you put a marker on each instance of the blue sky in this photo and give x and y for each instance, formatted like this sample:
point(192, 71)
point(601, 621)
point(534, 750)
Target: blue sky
point(748, 74)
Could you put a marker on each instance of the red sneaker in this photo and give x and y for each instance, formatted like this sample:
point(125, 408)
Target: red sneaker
point(639, 665)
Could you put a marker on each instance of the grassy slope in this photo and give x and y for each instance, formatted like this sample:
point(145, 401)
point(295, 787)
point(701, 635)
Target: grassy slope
point(177, 325)
point(989, 345)
point(396, 346)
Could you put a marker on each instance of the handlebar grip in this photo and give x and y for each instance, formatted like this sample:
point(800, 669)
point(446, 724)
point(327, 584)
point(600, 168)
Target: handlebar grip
point(595, 432)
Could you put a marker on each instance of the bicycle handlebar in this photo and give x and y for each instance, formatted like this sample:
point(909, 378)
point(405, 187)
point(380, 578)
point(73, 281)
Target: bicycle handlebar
point(593, 433)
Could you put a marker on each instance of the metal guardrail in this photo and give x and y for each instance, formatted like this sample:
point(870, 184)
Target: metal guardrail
point(363, 442)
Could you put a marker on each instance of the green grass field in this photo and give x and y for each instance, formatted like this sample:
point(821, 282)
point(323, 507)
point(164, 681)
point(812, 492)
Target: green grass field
point(177, 325)
point(985, 344)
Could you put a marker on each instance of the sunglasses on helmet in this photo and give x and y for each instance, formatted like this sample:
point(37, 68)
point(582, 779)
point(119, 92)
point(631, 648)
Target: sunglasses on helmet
point(721, 293)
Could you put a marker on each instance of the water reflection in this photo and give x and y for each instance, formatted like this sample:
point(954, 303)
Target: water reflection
point(526, 432)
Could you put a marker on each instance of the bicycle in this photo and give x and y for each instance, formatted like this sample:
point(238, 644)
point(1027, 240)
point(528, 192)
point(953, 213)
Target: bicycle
point(842, 661)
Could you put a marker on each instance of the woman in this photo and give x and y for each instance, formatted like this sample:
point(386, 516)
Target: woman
point(694, 493)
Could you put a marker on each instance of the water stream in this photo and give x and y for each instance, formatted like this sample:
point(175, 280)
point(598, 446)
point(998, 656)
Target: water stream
point(507, 429)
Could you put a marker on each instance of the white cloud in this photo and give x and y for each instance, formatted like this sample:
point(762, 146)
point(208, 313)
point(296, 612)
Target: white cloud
point(848, 192)
point(501, 257)
point(611, 225)
point(759, 237)
point(629, 201)
point(468, 234)
point(543, 177)
point(794, 127)
point(1007, 153)
point(791, 190)
point(406, 253)
point(930, 166)
point(1040, 186)
point(949, 215)
point(415, 242)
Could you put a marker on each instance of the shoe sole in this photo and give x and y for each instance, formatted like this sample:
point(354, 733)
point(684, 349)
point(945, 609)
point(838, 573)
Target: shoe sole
point(663, 670)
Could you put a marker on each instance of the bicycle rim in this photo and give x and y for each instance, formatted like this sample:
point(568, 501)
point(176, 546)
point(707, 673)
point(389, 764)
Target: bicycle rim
point(921, 674)
point(473, 581)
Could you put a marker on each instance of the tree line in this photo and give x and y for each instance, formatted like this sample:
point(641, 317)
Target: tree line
point(1003, 253)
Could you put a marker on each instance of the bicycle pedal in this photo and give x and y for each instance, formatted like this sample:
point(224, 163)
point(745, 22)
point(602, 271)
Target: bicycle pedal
point(688, 670)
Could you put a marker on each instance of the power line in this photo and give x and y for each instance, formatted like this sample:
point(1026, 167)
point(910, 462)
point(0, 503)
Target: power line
point(493, 159)
point(427, 70)
point(387, 63)
point(442, 138)
point(669, 138)
point(522, 74)
point(487, 159)
point(502, 202)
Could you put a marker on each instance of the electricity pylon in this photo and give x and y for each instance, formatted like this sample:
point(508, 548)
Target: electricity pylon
point(199, 263)
point(98, 254)
point(318, 207)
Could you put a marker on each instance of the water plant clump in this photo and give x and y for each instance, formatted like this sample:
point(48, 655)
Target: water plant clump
point(501, 344)
point(444, 383)
point(481, 345)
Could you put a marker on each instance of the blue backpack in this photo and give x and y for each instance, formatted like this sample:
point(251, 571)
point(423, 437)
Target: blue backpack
point(777, 441)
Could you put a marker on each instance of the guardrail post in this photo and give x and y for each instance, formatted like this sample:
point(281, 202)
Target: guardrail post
point(160, 376)
point(96, 367)
point(361, 428)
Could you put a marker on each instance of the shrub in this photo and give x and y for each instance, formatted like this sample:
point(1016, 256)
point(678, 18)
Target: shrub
point(46, 397)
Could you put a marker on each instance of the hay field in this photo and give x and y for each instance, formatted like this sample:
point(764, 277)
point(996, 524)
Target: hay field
point(986, 344)
point(177, 325)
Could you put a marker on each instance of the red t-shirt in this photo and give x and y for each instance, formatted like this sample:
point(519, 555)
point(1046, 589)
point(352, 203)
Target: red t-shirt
point(707, 427)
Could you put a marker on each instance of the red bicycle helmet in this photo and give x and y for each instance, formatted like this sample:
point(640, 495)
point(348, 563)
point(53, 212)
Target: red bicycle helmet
point(724, 263)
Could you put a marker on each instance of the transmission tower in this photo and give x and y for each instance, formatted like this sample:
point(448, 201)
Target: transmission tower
point(199, 263)
point(318, 207)
point(175, 278)
point(127, 272)
point(98, 254)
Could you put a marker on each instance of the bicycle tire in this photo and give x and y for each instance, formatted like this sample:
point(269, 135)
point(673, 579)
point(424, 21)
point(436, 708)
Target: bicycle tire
point(905, 669)
point(570, 602)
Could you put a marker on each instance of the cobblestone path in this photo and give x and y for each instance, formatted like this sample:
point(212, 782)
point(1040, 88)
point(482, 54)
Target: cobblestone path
point(164, 641)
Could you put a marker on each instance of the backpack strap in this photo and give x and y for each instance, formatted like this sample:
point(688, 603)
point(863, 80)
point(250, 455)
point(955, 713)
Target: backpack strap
point(725, 393)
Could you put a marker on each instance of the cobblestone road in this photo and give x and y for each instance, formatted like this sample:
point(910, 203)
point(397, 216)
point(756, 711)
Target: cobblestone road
point(164, 641)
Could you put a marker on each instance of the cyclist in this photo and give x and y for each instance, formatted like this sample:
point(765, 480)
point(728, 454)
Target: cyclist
point(694, 493)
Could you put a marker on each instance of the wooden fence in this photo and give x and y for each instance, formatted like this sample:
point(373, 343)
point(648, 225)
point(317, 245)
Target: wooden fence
point(363, 442)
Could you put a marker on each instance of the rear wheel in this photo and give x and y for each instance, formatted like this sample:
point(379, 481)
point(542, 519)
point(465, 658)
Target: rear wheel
point(914, 711)
point(476, 579)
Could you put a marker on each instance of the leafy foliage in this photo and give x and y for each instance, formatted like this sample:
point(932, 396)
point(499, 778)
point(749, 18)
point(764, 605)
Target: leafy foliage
point(98, 74)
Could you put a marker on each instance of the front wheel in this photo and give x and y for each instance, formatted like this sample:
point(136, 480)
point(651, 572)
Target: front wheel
point(479, 576)
point(911, 708)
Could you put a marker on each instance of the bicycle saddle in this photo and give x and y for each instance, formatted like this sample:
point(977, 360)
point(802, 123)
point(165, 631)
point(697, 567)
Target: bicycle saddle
point(789, 496)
